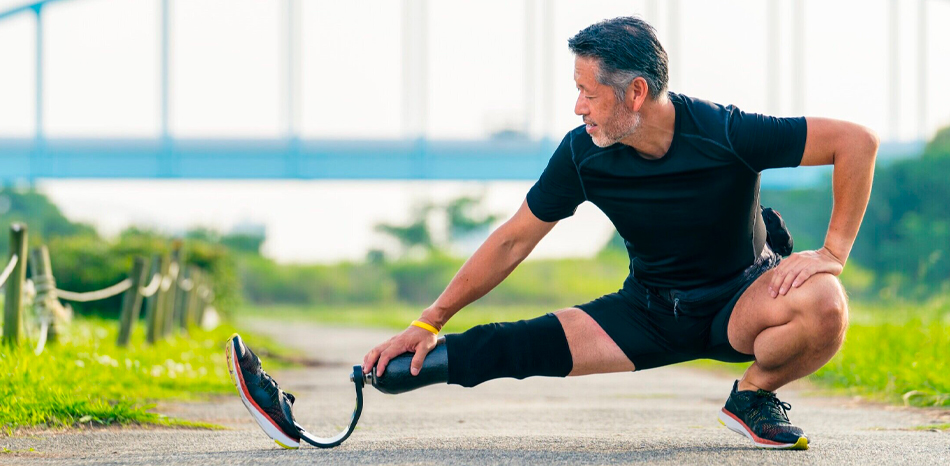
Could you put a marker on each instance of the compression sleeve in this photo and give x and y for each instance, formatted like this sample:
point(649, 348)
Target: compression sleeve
point(763, 141)
point(558, 191)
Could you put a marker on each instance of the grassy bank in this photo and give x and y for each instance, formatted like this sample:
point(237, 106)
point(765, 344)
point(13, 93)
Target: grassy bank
point(86, 379)
point(896, 352)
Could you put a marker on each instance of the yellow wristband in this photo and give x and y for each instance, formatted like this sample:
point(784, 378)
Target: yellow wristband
point(421, 324)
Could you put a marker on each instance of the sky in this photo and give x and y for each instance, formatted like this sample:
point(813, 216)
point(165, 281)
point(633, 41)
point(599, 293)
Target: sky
point(228, 79)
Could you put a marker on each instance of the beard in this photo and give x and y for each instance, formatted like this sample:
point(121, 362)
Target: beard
point(619, 126)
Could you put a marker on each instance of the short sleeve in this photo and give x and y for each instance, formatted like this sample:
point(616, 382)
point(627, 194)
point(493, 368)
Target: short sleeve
point(558, 192)
point(764, 141)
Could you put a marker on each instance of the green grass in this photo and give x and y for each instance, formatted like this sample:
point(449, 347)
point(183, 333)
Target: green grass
point(945, 426)
point(896, 352)
point(85, 379)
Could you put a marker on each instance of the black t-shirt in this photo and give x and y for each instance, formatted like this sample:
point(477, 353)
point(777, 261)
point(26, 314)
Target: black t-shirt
point(690, 218)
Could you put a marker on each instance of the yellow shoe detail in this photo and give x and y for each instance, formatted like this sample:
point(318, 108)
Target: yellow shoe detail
point(801, 444)
point(294, 448)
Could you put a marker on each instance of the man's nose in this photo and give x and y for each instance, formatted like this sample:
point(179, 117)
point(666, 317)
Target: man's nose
point(580, 107)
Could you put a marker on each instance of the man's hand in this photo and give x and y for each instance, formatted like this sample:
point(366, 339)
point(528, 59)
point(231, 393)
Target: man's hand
point(795, 269)
point(411, 340)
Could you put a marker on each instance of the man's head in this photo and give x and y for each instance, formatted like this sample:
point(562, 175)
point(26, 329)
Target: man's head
point(619, 64)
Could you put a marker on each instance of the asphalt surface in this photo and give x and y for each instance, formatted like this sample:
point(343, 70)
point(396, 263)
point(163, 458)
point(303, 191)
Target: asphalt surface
point(662, 416)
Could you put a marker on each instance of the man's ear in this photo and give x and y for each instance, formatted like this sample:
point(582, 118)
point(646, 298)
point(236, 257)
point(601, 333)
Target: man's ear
point(637, 93)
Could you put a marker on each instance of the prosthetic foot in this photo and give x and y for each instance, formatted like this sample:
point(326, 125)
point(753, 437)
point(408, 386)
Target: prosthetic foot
point(397, 379)
point(272, 407)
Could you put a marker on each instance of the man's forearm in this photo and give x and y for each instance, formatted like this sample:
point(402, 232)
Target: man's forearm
point(851, 184)
point(492, 262)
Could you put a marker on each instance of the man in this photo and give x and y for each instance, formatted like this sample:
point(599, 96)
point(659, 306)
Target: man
point(679, 178)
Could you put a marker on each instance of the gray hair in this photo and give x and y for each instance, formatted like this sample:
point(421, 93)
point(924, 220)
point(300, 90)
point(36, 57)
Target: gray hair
point(626, 48)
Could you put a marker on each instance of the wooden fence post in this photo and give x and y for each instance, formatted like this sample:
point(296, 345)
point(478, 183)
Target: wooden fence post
point(131, 304)
point(184, 296)
point(12, 323)
point(171, 298)
point(191, 306)
point(153, 309)
point(200, 302)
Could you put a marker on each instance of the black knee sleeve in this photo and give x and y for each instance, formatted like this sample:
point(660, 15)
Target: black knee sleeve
point(511, 349)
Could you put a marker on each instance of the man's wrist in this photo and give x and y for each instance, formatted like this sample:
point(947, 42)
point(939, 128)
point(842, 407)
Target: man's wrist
point(837, 254)
point(434, 318)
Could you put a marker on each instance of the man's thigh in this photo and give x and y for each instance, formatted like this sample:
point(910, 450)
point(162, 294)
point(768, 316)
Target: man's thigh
point(592, 350)
point(756, 310)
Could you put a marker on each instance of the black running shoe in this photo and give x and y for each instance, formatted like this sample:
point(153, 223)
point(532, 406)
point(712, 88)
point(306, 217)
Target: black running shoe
point(270, 406)
point(762, 418)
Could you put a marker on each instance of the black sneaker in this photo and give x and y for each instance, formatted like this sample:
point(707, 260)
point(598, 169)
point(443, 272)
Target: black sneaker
point(270, 406)
point(762, 418)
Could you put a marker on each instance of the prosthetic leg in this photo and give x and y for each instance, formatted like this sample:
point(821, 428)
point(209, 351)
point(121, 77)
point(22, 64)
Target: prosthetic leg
point(512, 349)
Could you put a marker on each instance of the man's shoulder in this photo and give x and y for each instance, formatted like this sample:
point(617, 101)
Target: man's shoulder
point(703, 110)
point(703, 118)
point(581, 146)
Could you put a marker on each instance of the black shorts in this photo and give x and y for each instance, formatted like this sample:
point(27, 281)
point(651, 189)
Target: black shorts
point(660, 326)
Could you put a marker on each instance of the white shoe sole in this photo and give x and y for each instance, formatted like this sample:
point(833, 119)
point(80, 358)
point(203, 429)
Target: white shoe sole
point(737, 426)
point(262, 420)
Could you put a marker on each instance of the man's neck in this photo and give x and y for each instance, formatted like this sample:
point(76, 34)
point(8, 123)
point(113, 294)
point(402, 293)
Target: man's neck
point(657, 124)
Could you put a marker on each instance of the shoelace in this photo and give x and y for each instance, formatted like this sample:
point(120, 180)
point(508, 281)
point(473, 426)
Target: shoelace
point(772, 404)
point(269, 385)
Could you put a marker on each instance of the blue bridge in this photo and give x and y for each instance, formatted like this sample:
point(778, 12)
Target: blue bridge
point(514, 156)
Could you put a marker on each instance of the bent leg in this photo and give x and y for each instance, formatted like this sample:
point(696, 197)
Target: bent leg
point(790, 336)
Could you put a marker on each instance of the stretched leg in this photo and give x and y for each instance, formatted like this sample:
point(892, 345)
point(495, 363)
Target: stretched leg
point(592, 350)
point(568, 342)
point(791, 336)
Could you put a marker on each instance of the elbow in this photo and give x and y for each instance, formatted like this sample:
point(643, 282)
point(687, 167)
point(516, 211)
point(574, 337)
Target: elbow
point(516, 249)
point(858, 145)
point(870, 142)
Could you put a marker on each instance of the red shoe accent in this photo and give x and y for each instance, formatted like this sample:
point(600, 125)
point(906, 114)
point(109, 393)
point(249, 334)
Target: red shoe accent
point(747, 429)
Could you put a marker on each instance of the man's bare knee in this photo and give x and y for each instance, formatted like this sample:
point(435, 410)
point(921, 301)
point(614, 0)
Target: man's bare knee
point(823, 304)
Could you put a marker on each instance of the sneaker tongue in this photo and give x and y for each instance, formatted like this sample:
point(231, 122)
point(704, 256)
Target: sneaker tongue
point(761, 392)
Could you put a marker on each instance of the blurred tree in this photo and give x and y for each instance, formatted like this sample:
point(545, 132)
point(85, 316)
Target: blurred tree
point(939, 146)
point(414, 237)
point(244, 242)
point(44, 220)
point(463, 217)
point(463, 222)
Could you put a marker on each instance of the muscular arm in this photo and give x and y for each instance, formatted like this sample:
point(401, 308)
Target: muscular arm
point(852, 150)
point(494, 260)
point(504, 249)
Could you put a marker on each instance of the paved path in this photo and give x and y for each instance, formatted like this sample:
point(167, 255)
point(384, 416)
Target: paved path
point(664, 416)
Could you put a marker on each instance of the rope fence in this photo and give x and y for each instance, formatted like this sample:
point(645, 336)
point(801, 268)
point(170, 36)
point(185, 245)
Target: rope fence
point(98, 295)
point(9, 269)
point(152, 286)
point(175, 298)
